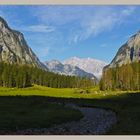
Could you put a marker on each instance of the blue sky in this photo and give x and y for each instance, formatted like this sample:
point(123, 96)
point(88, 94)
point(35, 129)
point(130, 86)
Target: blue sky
point(61, 32)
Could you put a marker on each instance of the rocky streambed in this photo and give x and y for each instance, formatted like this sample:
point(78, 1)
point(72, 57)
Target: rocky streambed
point(95, 121)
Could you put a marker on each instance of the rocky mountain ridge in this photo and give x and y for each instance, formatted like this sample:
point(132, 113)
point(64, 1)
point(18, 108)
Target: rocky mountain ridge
point(14, 48)
point(89, 65)
point(128, 52)
point(66, 69)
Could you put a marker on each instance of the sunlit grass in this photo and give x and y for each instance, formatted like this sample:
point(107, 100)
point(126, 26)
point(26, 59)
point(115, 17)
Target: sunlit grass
point(59, 92)
point(125, 103)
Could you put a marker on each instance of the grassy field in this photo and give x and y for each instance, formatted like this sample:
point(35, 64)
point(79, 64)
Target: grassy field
point(30, 108)
point(20, 112)
point(59, 92)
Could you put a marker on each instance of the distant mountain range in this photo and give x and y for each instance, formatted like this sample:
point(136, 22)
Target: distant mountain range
point(77, 66)
point(89, 65)
point(66, 69)
point(15, 50)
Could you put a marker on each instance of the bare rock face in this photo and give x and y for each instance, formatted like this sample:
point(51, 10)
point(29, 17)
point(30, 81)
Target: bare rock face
point(14, 49)
point(128, 53)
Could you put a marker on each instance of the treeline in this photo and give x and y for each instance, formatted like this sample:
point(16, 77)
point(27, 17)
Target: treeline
point(126, 77)
point(23, 76)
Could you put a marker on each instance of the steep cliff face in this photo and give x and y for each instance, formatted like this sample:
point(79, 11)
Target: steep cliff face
point(128, 53)
point(124, 70)
point(14, 48)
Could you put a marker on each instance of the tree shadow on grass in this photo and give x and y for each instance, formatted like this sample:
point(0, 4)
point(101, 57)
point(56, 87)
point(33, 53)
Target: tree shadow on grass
point(126, 106)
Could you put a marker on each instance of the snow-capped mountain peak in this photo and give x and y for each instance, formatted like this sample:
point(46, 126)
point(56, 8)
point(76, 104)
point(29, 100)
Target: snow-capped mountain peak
point(89, 65)
point(67, 69)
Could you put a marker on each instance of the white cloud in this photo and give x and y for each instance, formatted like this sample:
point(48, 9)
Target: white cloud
point(80, 22)
point(100, 22)
point(58, 15)
point(104, 45)
point(128, 11)
point(39, 28)
point(77, 23)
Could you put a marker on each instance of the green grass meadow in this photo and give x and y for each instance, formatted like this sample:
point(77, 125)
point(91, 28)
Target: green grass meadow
point(20, 112)
point(37, 107)
point(59, 92)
